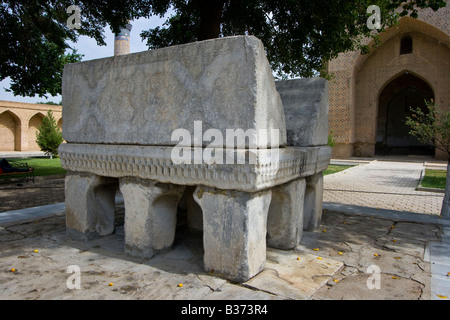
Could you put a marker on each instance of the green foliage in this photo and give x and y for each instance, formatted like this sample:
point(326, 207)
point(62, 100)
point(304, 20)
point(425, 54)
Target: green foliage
point(431, 126)
point(51, 103)
point(49, 137)
point(33, 49)
point(331, 141)
point(434, 179)
point(335, 168)
point(300, 36)
point(42, 167)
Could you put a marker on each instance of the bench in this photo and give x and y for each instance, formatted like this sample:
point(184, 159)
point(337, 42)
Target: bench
point(17, 169)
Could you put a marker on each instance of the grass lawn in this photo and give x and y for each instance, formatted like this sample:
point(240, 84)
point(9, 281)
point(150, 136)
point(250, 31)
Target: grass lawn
point(335, 168)
point(434, 179)
point(42, 167)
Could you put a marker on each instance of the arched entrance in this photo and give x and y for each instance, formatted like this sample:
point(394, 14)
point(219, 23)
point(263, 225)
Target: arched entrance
point(33, 126)
point(9, 127)
point(395, 101)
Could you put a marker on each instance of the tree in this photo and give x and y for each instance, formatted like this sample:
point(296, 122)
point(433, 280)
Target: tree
point(34, 35)
point(48, 136)
point(300, 36)
point(433, 127)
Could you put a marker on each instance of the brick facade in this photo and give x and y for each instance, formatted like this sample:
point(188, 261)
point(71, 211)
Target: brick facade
point(359, 79)
point(19, 122)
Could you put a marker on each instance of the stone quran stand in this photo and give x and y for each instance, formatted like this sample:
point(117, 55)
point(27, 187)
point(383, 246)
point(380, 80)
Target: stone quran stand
point(119, 116)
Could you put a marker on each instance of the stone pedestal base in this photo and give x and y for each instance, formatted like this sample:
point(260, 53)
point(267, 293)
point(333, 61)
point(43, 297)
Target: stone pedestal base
point(89, 205)
point(313, 202)
point(285, 220)
point(150, 215)
point(234, 231)
point(241, 208)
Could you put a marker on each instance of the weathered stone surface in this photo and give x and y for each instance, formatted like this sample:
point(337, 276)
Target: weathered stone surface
point(89, 205)
point(234, 231)
point(153, 120)
point(151, 215)
point(142, 98)
point(43, 275)
point(305, 104)
point(285, 218)
point(288, 277)
point(313, 205)
point(194, 212)
point(155, 163)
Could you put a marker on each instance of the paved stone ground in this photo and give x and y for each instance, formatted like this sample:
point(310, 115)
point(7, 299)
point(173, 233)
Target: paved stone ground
point(383, 185)
point(335, 262)
point(332, 263)
point(19, 195)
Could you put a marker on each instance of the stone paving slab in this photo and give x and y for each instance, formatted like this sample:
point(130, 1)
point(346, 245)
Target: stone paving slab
point(44, 191)
point(333, 264)
point(357, 231)
point(382, 185)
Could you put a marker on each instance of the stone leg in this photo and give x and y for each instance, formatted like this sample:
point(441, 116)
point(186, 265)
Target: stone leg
point(313, 202)
point(150, 215)
point(285, 218)
point(234, 231)
point(89, 205)
point(194, 212)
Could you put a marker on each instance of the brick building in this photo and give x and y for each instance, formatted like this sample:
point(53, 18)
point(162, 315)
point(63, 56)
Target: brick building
point(19, 122)
point(370, 95)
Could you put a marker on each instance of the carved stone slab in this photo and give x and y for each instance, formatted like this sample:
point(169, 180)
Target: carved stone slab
point(305, 104)
point(142, 98)
point(155, 163)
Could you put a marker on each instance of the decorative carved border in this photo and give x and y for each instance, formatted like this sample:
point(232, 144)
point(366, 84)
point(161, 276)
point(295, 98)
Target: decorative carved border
point(154, 163)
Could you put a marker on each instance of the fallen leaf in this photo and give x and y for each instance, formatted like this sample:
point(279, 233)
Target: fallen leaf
point(441, 296)
point(340, 253)
point(316, 249)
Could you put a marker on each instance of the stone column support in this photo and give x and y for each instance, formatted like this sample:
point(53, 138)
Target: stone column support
point(285, 219)
point(313, 202)
point(150, 215)
point(89, 205)
point(234, 231)
point(194, 212)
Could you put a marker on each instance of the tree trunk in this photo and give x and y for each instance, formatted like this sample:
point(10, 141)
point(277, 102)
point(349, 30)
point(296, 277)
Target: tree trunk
point(210, 18)
point(445, 211)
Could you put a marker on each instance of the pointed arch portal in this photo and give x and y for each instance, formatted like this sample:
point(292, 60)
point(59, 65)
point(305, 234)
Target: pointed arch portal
point(395, 101)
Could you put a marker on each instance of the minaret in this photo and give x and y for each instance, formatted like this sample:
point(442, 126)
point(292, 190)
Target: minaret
point(122, 41)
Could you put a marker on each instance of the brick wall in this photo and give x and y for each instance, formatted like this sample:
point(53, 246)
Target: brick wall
point(19, 122)
point(359, 79)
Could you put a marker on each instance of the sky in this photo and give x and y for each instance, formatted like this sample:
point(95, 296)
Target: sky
point(91, 50)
